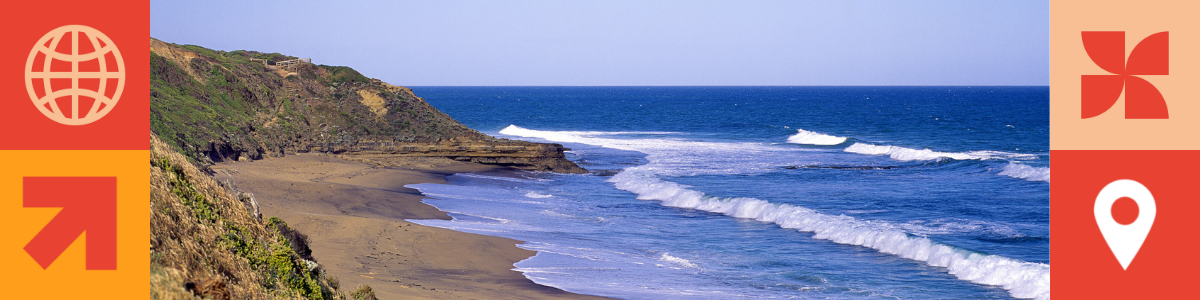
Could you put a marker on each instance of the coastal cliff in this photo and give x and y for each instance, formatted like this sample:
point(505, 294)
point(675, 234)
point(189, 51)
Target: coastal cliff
point(214, 239)
point(216, 106)
point(208, 240)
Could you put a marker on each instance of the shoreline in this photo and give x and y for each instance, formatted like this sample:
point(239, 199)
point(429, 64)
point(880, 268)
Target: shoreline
point(354, 214)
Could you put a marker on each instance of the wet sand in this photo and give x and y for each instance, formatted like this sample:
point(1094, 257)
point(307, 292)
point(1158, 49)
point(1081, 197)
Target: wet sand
point(353, 214)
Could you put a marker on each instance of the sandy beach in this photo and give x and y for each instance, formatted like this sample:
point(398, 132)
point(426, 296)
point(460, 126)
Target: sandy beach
point(354, 216)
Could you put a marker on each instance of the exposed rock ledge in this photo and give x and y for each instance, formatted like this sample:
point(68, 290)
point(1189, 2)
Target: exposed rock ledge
point(517, 154)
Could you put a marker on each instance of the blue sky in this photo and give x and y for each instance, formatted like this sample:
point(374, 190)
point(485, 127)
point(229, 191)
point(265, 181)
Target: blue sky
point(552, 43)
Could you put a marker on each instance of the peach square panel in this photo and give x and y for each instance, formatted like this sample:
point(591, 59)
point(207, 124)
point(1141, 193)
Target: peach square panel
point(1110, 130)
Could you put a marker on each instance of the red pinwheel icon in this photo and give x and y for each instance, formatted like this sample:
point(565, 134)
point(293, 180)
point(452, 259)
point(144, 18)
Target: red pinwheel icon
point(1101, 92)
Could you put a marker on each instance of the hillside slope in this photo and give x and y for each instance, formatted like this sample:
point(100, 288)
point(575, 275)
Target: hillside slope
point(239, 105)
point(207, 241)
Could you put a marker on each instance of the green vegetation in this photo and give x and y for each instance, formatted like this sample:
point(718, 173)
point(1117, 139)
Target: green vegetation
point(364, 292)
point(188, 113)
point(213, 106)
point(202, 209)
point(283, 260)
point(202, 50)
point(277, 261)
point(342, 75)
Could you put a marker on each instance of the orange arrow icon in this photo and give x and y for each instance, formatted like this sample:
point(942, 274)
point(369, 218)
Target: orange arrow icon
point(89, 205)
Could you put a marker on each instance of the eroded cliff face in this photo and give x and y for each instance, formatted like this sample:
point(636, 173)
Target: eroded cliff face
point(215, 106)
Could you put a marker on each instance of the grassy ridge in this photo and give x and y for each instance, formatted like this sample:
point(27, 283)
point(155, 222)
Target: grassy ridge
point(216, 105)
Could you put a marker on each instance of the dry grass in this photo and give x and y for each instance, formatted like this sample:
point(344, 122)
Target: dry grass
point(364, 292)
point(205, 242)
point(179, 56)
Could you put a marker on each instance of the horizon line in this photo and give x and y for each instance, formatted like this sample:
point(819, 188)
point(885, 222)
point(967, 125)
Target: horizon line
point(832, 85)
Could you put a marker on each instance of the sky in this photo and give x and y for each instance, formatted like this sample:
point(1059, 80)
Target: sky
point(635, 43)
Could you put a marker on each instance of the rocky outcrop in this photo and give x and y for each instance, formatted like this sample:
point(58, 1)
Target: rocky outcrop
point(216, 106)
point(517, 154)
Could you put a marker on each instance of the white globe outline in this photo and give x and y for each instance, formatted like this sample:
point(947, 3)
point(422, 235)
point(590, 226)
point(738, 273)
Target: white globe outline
point(54, 37)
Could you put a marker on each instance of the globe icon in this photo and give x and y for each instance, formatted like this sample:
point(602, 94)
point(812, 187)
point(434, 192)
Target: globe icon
point(74, 75)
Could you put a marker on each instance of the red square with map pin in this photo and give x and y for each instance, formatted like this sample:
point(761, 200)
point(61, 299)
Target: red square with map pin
point(1094, 234)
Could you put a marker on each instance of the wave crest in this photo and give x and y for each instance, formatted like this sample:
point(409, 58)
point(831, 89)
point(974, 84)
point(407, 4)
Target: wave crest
point(812, 138)
point(1021, 279)
point(907, 154)
point(537, 195)
point(1027, 172)
point(678, 261)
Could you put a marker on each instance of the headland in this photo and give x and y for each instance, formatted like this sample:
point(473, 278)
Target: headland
point(274, 177)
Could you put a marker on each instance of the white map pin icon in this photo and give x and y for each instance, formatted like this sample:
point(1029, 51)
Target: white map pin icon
point(1125, 240)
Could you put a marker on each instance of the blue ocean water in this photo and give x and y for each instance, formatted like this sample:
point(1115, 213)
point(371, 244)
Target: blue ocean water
point(767, 192)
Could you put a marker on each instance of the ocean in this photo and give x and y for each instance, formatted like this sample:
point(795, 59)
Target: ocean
point(767, 192)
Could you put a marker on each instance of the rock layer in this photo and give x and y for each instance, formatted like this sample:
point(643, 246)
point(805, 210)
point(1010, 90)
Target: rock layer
point(517, 154)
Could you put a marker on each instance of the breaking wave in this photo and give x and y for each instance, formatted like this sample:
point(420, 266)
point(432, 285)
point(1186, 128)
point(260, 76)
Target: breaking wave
point(907, 154)
point(1027, 172)
point(812, 138)
point(678, 261)
point(1021, 279)
point(537, 195)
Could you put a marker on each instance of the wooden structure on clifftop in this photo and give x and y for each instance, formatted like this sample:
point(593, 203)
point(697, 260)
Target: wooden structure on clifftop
point(289, 65)
point(292, 63)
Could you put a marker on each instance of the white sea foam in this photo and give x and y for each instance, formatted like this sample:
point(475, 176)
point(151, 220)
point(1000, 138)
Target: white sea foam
point(865, 211)
point(812, 138)
point(907, 154)
point(502, 178)
point(495, 219)
point(961, 226)
point(681, 157)
point(487, 198)
point(537, 195)
point(678, 261)
point(1027, 172)
point(1021, 279)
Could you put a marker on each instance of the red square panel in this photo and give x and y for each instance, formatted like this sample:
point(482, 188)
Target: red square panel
point(1084, 267)
point(29, 50)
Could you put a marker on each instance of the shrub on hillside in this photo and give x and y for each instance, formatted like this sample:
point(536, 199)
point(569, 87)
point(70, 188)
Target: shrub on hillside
point(297, 239)
point(364, 292)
